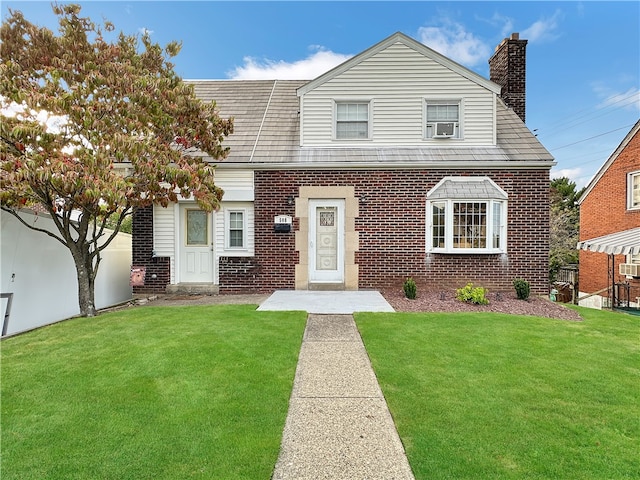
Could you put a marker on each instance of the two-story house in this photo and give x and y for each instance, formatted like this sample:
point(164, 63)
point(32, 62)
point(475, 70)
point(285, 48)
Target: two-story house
point(610, 229)
point(398, 162)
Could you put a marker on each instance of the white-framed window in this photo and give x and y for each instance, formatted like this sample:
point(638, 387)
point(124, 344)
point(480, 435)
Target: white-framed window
point(633, 258)
point(236, 229)
point(442, 119)
point(466, 215)
point(633, 190)
point(352, 120)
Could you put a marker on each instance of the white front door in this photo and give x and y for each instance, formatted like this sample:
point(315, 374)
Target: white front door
point(196, 245)
point(326, 241)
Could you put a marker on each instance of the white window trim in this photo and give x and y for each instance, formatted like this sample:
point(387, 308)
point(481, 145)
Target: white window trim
point(449, 248)
point(334, 123)
point(227, 226)
point(630, 177)
point(440, 101)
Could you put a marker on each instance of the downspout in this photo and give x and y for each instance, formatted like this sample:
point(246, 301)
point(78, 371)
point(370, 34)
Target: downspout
point(255, 145)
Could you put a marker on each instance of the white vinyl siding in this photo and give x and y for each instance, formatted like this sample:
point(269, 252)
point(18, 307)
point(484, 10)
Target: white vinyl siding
point(164, 234)
point(223, 248)
point(165, 222)
point(237, 184)
point(398, 79)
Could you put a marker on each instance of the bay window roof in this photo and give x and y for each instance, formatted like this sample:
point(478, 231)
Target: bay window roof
point(463, 188)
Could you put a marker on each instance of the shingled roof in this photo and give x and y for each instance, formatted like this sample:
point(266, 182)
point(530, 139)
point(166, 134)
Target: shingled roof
point(267, 134)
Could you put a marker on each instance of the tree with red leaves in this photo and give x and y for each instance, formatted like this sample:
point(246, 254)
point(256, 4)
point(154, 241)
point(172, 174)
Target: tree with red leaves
point(92, 128)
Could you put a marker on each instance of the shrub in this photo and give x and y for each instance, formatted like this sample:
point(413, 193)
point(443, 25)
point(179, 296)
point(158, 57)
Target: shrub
point(523, 289)
point(410, 288)
point(471, 294)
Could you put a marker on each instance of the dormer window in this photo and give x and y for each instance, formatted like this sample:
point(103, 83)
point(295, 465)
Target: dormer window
point(442, 119)
point(352, 120)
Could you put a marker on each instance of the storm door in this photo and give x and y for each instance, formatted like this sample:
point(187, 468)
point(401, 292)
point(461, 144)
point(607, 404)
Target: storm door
point(196, 260)
point(326, 241)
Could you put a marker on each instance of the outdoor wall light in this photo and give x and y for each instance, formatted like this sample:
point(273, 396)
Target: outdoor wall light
point(290, 200)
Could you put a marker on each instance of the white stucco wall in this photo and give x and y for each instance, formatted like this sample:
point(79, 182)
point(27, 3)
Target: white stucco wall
point(40, 273)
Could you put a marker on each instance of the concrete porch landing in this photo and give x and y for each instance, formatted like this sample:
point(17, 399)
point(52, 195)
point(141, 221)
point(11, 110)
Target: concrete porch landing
point(327, 302)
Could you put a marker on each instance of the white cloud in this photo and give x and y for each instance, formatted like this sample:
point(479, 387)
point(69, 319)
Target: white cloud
point(311, 67)
point(453, 41)
point(629, 100)
point(576, 175)
point(504, 23)
point(145, 31)
point(544, 30)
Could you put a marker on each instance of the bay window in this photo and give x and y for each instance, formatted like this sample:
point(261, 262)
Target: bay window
point(466, 215)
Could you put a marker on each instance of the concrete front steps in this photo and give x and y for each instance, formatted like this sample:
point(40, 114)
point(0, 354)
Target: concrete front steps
point(193, 289)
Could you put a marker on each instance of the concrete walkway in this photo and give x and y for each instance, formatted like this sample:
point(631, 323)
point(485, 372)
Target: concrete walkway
point(338, 425)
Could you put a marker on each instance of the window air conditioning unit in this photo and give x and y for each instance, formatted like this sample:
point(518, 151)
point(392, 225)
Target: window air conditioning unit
point(444, 129)
point(630, 269)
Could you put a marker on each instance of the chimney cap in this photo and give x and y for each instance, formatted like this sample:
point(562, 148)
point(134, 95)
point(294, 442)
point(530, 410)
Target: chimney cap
point(515, 36)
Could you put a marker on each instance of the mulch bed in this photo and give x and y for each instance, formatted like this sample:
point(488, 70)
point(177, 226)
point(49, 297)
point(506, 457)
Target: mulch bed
point(500, 302)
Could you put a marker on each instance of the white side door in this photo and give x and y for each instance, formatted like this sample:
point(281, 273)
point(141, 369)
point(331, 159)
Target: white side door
point(326, 241)
point(196, 245)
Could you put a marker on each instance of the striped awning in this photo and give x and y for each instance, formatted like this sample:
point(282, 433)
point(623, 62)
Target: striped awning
point(626, 242)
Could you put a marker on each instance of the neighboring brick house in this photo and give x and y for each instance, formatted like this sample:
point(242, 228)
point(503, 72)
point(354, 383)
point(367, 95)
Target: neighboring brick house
point(610, 228)
point(398, 162)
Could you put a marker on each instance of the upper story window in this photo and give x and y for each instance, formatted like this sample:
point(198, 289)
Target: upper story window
point(466, 215)
point(442, 119)
point(352, 120)
point(633, 190)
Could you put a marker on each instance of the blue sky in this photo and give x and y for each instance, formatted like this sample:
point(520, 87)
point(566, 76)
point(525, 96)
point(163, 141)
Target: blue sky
point(583, 58)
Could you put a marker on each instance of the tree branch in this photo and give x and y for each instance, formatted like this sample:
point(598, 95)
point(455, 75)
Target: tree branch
point(26, 224)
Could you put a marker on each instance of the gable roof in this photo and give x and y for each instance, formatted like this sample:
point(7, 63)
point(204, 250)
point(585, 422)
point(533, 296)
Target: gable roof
point(596, 178)
point(400, 37)
point(267, 135)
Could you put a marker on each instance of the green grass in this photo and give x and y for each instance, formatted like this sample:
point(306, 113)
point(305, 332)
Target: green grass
point(149, 393)
point(489, 396)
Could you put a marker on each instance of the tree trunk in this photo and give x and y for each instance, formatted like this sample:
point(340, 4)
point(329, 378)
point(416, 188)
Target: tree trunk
point(86, 281)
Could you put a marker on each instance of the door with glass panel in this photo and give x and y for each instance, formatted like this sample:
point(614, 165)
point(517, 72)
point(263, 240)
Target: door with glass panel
point(326, 241)
point(196, 245)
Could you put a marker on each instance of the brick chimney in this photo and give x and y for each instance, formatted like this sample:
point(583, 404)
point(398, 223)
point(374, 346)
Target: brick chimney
point(507, 68)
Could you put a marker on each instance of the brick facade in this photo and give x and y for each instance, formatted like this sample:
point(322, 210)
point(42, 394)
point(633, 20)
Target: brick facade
point(391, 228)
point(604, 211)
point(157, 275)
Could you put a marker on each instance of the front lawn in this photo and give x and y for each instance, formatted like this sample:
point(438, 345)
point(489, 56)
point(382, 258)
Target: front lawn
point(493, 396)
point(150, 393)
